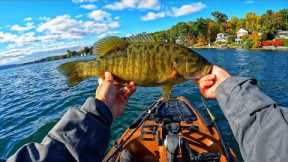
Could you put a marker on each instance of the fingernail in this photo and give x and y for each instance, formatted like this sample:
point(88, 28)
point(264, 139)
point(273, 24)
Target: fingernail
point(108, 76)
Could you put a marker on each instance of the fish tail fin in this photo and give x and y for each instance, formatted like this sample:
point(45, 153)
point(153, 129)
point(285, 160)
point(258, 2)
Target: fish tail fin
point(78, 71)
point(167, 90)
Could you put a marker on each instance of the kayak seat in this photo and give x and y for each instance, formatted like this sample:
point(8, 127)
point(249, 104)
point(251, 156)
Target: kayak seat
point(174, 111)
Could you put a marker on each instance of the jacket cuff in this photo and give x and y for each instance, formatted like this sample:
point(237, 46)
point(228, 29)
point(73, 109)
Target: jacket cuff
point(229, 84)
point(99, 109)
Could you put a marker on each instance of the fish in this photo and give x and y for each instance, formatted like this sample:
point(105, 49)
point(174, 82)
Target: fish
point(140, 59)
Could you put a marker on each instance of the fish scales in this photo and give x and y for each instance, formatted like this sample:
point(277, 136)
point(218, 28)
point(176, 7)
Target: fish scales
point(137, 58)
point(125, 63)
point(128, 71)
point(145, 63)
point(142, 63)
point(118, 66)
point(122, 64)
point(132, 64)
point(146, 58)
point(163, 63)
point(158, 63)
point(152, 66)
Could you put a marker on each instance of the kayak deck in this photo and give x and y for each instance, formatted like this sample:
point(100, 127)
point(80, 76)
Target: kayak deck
point(170, 131)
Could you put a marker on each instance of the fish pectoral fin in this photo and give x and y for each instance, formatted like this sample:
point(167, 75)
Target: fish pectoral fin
point(77, 71)
point(167, 89)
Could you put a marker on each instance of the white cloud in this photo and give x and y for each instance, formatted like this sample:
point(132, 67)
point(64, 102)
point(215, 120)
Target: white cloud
point(175, 12)
point(149, 4)
point(7, 37)
point(67, 28)
point(58, 25)
point(19, 40)
point(153, 16)
point(58, 32)
point(88, 6)
point(28, 19)
point(82, 1)
point(188, 9)
point(140, 4)
point(19, 28)
point(16, 54)
point(99, 15)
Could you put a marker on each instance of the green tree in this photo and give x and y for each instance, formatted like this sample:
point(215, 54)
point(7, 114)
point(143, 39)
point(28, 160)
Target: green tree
point(232, 25)
point(270, 23)
point(284, 16)
point(221, 20)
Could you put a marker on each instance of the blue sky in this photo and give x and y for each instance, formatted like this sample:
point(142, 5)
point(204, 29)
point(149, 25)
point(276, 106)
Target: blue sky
point(30, 27)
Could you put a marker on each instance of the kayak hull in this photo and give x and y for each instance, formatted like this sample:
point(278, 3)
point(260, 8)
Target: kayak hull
point(171, 130)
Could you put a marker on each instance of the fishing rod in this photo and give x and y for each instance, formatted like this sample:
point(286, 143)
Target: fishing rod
point(213, 121)
point(135, 125)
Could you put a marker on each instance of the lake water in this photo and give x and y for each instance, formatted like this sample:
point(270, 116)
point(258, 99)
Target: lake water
point(33, 97)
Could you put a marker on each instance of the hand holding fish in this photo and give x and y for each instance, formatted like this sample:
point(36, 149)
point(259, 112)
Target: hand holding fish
point(209, 83)
point(114, 95)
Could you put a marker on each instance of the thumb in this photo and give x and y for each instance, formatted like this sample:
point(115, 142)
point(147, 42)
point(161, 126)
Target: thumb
point(108, 76)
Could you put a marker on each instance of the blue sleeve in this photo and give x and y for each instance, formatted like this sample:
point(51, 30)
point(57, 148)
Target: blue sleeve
point(259, 125)
point(80, 135)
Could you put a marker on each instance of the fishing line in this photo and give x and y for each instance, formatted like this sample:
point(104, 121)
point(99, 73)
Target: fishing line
point(213, 120)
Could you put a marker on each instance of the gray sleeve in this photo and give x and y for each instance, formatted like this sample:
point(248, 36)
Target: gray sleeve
point(258, 123)
point(81, 135)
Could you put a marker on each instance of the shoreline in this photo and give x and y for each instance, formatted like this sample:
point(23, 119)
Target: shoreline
point(60, 57)
point(239, 48)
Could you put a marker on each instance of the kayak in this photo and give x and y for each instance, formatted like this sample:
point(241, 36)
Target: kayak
point(171, 131)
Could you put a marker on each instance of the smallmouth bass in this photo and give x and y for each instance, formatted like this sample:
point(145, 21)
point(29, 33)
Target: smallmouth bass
point(148, 63)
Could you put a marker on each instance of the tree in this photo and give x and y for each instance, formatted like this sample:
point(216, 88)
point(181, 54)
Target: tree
point(212, 31)
point(221, 20)
point(241, 24)
point(252, 22)
point(255, 38)
point(284, 16)
point(232, 25)
point(201, 27)
point(268, 25)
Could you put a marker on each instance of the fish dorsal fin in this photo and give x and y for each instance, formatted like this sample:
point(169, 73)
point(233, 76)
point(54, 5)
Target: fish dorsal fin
point(105, 45)
point(143, 37)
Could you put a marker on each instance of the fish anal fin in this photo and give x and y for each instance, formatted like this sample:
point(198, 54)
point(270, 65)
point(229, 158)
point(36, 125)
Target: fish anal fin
point(106, 45)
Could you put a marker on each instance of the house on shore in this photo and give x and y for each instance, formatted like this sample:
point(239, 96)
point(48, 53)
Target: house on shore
point(281, 34)
point(222, 37)
point(240, 33)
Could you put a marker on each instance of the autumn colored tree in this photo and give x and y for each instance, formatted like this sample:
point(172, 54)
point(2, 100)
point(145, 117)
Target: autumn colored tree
point(252, 22)
point(204, 31)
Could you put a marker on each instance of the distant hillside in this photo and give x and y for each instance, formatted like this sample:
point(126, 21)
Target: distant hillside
point(69, 54)
point(9, 66)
